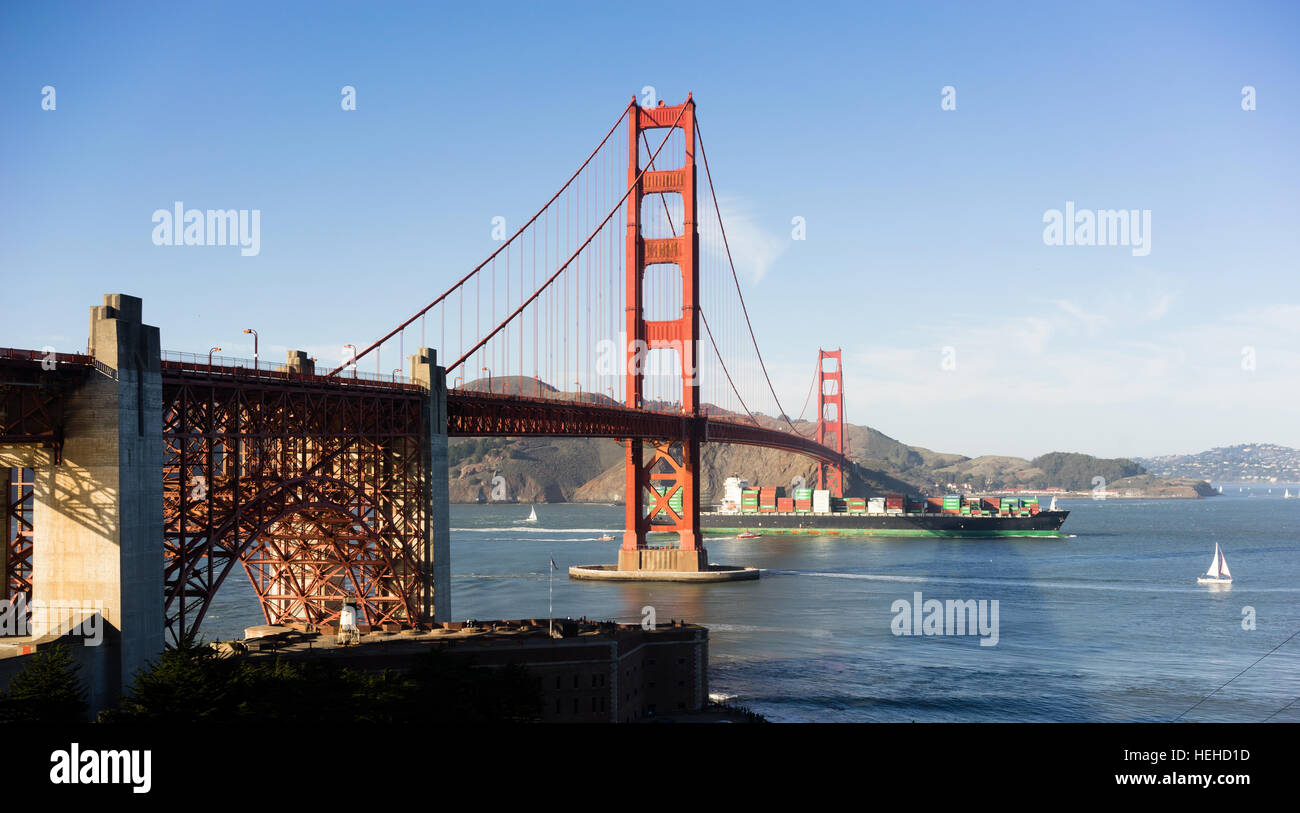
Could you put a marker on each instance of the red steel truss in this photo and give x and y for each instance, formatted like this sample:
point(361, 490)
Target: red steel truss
point(830, 418)
point(32, 383)
point(31, 387)
point(18, 504)
point(318, 488)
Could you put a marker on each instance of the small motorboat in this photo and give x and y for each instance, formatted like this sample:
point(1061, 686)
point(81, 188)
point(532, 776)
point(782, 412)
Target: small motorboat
point(748, 535)
point(605, 538)
point(1218, 572)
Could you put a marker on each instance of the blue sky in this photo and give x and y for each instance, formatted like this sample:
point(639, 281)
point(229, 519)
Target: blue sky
point(924, 226)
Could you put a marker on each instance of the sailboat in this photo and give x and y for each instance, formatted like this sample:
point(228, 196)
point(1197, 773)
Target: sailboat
point(1287, 495)
point(1220, 489)
point(532, 514)
point(1218, 572)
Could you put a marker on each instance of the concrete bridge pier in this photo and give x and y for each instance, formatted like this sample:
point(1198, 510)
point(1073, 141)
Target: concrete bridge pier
point(99, 512)
point(435, 598)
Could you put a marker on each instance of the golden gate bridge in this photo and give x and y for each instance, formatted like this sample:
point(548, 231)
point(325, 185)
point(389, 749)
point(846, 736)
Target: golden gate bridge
point(614, 311)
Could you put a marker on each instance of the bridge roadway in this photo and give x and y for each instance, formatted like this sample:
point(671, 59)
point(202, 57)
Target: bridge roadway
point(472, 413)
point(478, 414)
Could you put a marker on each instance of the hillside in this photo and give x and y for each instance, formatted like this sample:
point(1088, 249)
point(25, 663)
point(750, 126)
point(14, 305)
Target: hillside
point(720, 461)
point(591, 470)
point(1243, 463)
point(1148, 485)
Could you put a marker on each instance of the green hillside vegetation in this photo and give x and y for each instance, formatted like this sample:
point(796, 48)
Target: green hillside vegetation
point(1076, 472)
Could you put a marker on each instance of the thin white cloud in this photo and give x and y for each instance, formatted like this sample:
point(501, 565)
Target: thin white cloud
point(753, 249)
point(1160, 307)
point(1090, 322)
point(1027, 384)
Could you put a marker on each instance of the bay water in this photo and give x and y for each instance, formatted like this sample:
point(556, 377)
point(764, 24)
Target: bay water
point(1105, 624)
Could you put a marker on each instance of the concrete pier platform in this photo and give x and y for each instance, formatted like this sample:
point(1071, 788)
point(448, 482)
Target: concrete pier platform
point(713, 573)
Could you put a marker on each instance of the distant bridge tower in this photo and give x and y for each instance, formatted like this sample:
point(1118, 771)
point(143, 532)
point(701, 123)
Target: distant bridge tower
point(830, 417)
point(671, 475)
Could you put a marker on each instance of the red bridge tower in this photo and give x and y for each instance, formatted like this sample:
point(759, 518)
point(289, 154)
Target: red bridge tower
point(830, 417)
point(671, 474)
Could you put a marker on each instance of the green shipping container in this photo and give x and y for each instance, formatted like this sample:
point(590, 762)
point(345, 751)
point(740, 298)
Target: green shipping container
point(675, 502)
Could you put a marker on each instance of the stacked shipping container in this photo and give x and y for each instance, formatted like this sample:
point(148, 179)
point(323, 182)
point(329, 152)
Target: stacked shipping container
point(809, 501)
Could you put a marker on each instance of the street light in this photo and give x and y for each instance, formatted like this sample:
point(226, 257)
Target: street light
point(578, 384)
point(396, 372)
point(212, 350)
point(353, 362)
point(457, 378)
point(254, 332)
point(489, 372)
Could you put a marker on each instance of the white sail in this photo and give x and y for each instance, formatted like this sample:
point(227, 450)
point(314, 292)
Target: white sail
point(1223, 566)
point(1213, 572)
point(532, 515)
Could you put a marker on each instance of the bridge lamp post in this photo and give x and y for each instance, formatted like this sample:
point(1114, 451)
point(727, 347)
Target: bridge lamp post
point(578, 384)
point(459, 378)
point(212, 350)
point(353, 361)
point(254, 332)
point(489, 372)
point(397, 371)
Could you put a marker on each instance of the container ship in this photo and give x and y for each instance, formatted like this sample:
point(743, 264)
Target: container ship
point(816, 512)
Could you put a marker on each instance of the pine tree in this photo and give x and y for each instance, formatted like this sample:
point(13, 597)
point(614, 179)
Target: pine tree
point(47, 690)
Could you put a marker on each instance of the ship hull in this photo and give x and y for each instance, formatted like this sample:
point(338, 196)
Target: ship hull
point(943, 526)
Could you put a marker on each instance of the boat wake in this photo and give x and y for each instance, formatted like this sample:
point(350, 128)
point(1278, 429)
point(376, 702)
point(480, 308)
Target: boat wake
point(747, 628)
point(516, 530)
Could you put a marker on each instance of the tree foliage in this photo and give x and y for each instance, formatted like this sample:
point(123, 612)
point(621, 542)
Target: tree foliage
point(1075, 472)
point(47, 690)
point(195, 684)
